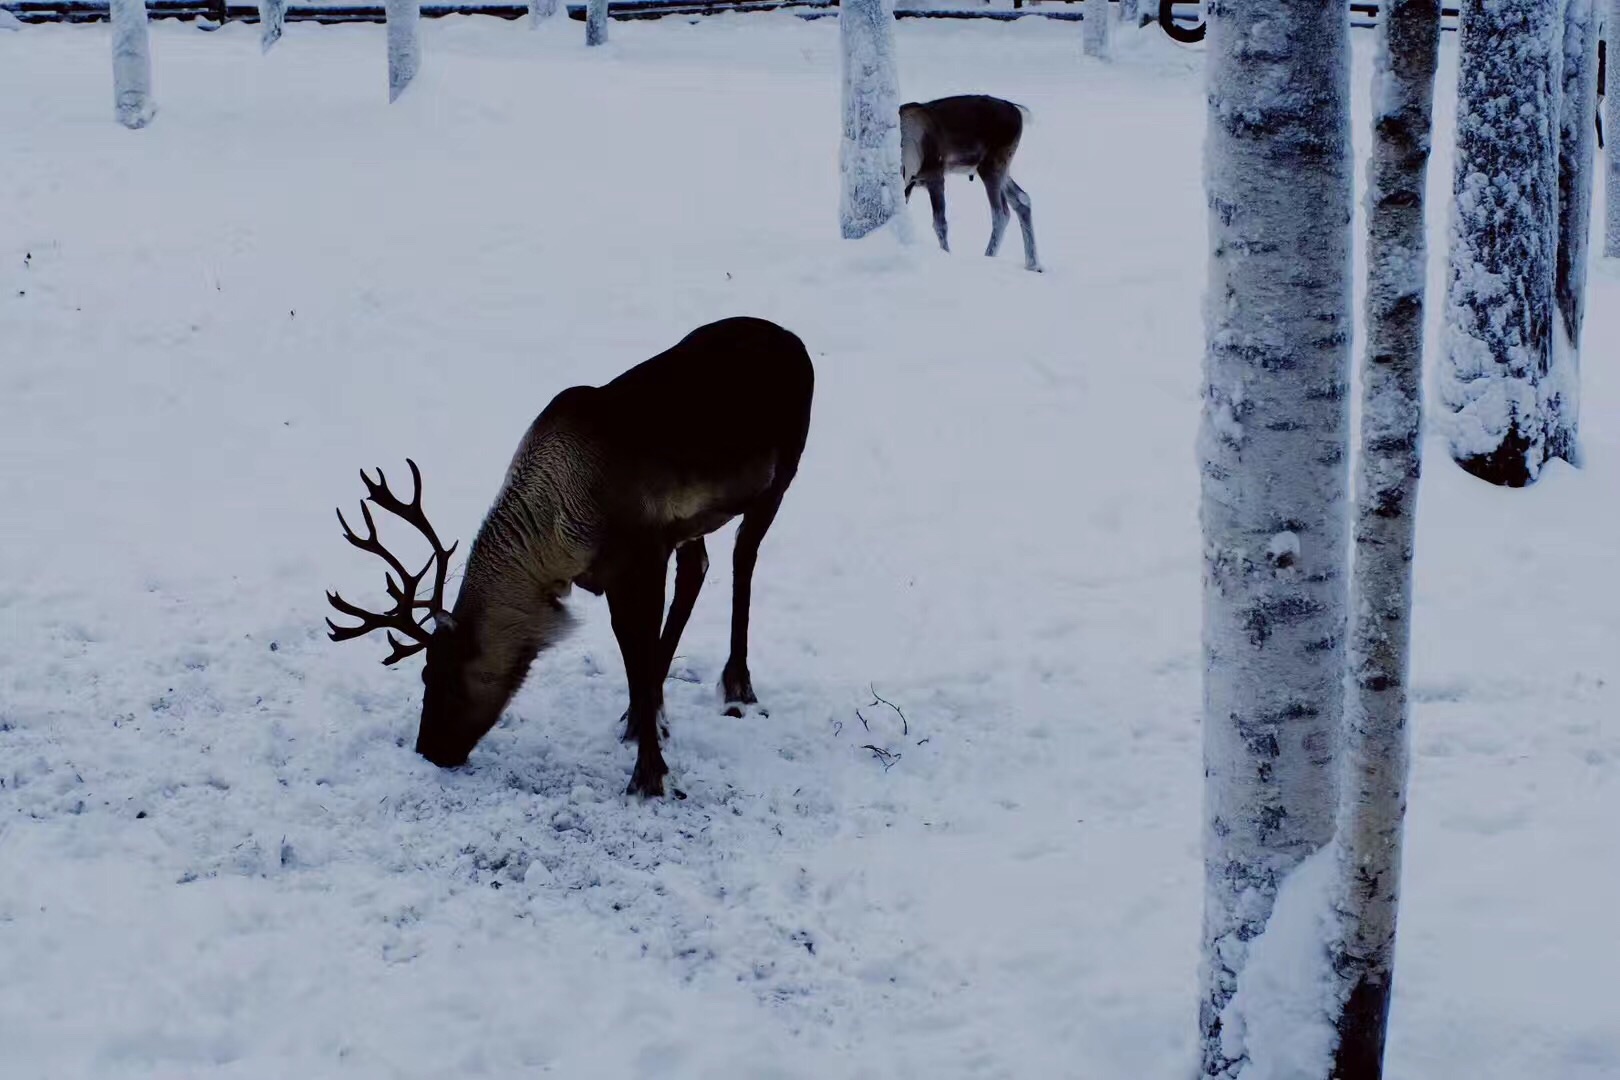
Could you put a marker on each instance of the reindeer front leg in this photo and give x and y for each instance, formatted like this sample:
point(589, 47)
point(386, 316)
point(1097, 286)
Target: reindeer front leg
point(635, 596)
point(691, 566)
point(995, 191)
point(936, 199)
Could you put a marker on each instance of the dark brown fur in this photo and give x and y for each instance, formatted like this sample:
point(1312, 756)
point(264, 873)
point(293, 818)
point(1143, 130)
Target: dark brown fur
point(608, 482)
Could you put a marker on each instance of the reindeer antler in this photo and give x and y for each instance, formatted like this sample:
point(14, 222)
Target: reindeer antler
point(402, 616)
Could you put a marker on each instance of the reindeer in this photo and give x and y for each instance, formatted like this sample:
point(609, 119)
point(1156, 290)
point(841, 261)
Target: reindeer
point(606, 484)
point(971, 133)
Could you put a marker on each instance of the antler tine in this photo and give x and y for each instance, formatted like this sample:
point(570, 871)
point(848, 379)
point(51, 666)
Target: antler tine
point(411, 512)
point(402, 649)
point(371, 543)
point(401, 584)
point(398, 619)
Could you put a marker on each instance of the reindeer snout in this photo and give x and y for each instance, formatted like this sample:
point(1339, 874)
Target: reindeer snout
point(445, 757)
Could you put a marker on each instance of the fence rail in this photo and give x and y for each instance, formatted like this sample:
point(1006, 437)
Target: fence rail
point(214, 13)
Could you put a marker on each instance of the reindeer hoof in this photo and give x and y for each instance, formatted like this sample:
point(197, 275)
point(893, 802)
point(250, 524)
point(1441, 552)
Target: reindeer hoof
point(648, 780)
point(740, 709)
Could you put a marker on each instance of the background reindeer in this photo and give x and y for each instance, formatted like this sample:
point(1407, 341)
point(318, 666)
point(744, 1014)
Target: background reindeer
point(608, 482)
point(967, 134)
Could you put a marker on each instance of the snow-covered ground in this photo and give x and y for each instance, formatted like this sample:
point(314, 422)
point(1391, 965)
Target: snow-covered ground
point(218, 855)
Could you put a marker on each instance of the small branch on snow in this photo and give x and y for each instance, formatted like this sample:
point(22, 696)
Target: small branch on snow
point(887, 757)
point(877, 699)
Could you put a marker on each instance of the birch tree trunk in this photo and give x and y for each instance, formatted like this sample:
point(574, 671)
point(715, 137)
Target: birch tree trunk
point(541, 10)
point(404, 44)
point(1576, 150)
point(869, 157)
point(272, 21)
point(1094, 29)
point(1611, 101)
point(1372, 810)
point(132, 63)
point(1130, 14)
point(1498, 381)
point(596, 22)
point(1274, 447)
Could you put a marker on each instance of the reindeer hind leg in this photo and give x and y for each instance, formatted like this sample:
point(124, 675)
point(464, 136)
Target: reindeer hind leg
point(1020, 204)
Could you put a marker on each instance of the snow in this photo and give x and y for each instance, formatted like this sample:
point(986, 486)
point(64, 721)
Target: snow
point(1281, 1015)
point(209, 326)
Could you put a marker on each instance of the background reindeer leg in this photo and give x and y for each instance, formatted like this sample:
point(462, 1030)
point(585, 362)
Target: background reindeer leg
point(1020, 204)
point(936, 199)
point(994, 175)
point(635, 595)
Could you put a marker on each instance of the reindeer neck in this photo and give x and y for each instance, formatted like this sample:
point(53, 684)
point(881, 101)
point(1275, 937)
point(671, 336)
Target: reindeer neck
point(523, 559)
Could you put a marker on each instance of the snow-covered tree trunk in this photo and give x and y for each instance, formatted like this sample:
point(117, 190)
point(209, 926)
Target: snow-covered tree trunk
point(404, 43)
point(272, 21)
point(1274, 450)
point(1498, 379)
point(541, 10)
point(869, 157)
point(1094, 29)
point(132, 63)
point(596, 22)
point(1576, 149)
point(1373, 797)
point(1611, 140)
point(1130, 14)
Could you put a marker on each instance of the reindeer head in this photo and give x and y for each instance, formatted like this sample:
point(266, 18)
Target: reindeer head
point(459, 702)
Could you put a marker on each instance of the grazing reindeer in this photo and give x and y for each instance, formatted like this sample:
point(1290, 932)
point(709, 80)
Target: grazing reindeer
point(608, 482)
point(972, 133)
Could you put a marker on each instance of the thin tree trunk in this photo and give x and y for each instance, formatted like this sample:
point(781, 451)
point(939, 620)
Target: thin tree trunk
point(869, 157)
point(1094, 29)
point(1611, 140)
point(1373, 806)
point(1501, 405)
point(541, 10)
point(596, 22)
point(132, 63)
point(404, 44)
point(1576, 150)
point(272, 21)
point(1130, 14)
point(1274, 447)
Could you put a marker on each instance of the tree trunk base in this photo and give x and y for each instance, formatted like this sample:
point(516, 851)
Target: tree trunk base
point(1361, 1033)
